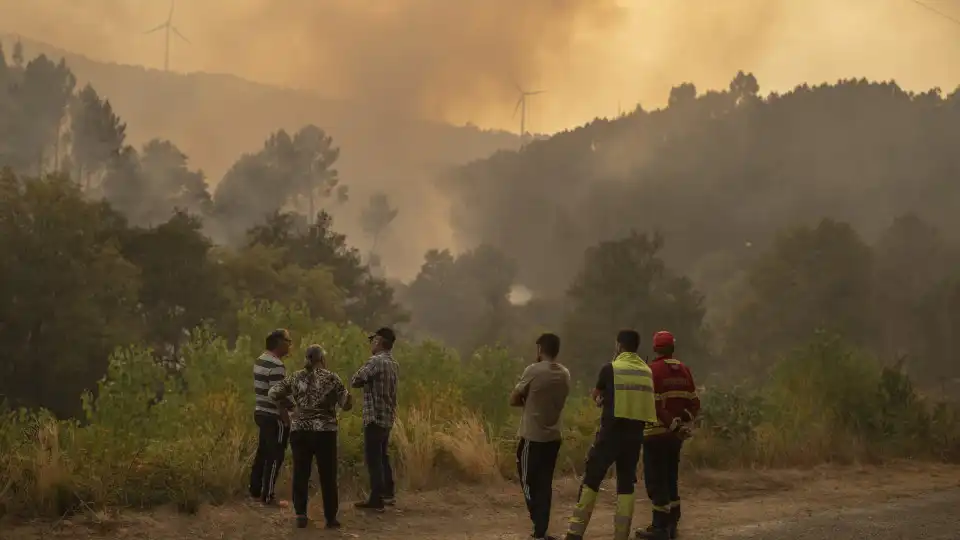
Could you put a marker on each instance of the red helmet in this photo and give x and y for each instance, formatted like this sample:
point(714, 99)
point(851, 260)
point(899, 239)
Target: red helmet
point(662, 339)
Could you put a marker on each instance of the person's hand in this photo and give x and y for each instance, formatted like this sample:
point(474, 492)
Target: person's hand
point(599, 400)
point(675, 424)
point(685, 432)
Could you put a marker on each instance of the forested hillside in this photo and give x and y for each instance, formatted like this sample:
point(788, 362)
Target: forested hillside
point(213, 118)
point(738, 185)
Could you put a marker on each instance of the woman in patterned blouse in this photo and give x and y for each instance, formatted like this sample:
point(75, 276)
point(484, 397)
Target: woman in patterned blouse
point(316, 393)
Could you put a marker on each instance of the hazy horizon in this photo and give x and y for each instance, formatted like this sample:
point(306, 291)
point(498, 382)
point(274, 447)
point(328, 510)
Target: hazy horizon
point(593, 58)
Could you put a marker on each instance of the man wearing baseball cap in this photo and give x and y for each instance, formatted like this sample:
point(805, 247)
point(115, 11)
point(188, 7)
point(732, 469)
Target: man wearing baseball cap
point(378, 377)
point(677, 406)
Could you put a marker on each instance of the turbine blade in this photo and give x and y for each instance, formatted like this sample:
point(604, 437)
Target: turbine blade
point(517, 108)
point(170, 15)
point(535, 93)
point(161, 27)
point(177, 32)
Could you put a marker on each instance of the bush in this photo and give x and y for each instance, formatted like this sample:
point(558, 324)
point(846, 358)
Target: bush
point(183, 434)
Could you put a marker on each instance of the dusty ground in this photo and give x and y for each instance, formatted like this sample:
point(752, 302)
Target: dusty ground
point(715, 504)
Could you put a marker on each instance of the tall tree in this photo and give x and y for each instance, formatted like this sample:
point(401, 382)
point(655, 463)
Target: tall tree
point(97, 136)
point(375, 219)
point(368, 300)
point(625, 284)
point(811, 279)
point(43, 97)
point(69, 297)
point(287, 171)
point(180, 284)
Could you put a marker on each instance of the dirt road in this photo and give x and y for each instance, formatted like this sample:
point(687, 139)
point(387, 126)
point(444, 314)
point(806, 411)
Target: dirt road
point(903, 501)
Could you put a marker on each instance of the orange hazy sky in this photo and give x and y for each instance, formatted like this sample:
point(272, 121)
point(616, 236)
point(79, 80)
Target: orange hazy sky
point(457, 60)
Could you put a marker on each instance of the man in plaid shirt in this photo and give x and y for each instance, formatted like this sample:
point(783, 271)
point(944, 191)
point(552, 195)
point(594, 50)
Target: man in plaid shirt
point(378, 378)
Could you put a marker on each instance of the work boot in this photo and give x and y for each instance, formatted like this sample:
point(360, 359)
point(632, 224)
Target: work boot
point(302, 522)
point(674, 520)
point(652, 533)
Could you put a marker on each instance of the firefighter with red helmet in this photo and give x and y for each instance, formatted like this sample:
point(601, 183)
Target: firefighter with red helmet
point(677, 406)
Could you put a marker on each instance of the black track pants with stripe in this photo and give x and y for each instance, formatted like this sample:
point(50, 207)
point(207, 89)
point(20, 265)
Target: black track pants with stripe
point(536, 462)
point(271, 447)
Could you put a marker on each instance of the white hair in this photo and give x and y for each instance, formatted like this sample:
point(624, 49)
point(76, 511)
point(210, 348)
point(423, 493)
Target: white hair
point(315, 354)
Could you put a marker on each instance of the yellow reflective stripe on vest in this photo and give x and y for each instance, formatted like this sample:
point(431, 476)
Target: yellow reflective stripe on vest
point(655, 430)
point(633, 389)
point(676, 394)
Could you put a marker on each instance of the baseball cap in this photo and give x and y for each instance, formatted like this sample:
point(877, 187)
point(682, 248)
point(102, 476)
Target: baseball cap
point(384, 333)
point(663, 339)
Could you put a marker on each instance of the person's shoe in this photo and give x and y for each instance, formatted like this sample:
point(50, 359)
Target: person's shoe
point(547, 537)
point(334, 524)
point(369, 506)
point(268, 501)
point(302, 522)
point(672, 531)
point(651, 533)
point(389, 501)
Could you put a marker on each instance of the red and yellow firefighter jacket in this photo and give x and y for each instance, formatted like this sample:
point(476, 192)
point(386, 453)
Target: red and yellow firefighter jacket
point(675, 395)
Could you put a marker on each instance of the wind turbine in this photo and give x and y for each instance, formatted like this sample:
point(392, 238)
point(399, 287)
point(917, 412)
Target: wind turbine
point(522, 107)
point(169, 27)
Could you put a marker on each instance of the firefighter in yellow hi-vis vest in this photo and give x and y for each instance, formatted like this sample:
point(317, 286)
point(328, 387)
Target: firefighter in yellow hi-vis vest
point(625, 393)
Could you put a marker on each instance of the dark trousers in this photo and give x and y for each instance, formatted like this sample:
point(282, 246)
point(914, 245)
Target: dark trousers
point(661, 475)
point(613, 449)
point(376, 439)
point(536, 462)
point(271, 447)
point(319, 446)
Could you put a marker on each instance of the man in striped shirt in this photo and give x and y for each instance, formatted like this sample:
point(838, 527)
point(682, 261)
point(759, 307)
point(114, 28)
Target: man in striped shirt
point(272, 420)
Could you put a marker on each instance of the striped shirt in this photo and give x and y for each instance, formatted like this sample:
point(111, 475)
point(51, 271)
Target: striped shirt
point(268, 370)
point(378, 378)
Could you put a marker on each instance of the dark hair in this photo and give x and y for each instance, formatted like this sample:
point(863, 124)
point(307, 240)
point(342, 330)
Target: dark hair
point(275, 339)
point(629, 340)
point(665, 350)
point(549, 344)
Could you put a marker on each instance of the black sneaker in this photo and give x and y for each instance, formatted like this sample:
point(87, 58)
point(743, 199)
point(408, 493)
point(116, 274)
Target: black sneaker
point(333, 524)
point(369, 506)
point(302, 522)
point(389, 501)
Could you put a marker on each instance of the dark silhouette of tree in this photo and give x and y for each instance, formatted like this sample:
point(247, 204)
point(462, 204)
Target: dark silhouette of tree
point(811, 279)
point(180, 284)
point(464, 300)
point(625, 284)
point(375, 219)
point(368, 301)
point(69, 295)
point(97, 137)
point(285, 173)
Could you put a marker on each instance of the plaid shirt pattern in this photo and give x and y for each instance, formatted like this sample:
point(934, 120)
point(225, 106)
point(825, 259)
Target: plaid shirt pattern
point(378, 378)
point(316, 394)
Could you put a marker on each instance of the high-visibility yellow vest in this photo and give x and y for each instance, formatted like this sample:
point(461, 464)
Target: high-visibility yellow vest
point(633, 389)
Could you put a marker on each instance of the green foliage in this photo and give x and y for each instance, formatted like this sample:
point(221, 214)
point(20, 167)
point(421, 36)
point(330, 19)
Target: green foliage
point(153, 436)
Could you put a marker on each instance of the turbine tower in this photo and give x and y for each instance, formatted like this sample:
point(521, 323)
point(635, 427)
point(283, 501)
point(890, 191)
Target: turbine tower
point(169, 27)
point(522, 107)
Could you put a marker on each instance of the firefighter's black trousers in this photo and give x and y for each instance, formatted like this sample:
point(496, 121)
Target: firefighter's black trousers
point(661, 474)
